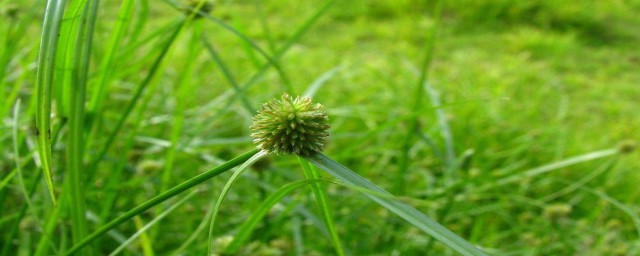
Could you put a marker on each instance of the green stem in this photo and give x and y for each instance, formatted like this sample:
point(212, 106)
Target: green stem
point(405, 211)
point(225, 190)
point(320, 193)
point(163, 197)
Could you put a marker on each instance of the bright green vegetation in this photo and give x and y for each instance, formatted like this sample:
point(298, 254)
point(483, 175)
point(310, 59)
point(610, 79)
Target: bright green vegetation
point(502, 121)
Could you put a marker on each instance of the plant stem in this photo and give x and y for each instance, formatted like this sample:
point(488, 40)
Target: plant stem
point(385, 199)
point(163, 197)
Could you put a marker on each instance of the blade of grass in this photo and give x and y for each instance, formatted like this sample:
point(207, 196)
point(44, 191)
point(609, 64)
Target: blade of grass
point(163, 197)
point(137, 94)
point(549, 168)
point(403, 162)
point(70, 29)
point(281, 51)
point(408, 213)
point(196, 233)
point(272, 61)
point(264, 24)
point(320, 81)
point(16, 152)
point(244, 232)
point(14, 35)
point(617, 204)
point(227, 74)
point(108, 60)
point(44, 82)
point(76, 142)
point(141, 230)
point(180, 95)
point(244, 167)
point(145, 240)
point(320, 193)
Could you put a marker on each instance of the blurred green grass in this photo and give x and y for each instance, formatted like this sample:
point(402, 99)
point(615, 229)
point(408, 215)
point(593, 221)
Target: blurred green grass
point(523, 84)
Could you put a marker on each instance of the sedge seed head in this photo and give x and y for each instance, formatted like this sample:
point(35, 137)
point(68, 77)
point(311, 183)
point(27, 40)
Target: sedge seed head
point(290, 126)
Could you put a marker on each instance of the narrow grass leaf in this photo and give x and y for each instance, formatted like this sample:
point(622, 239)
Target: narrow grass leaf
point(550, 167)
point(225, 190)
point(44, 82)
point(108, 60)
point(244, 232)
point(408, 213)
point(320, 193)
point(141, 231)
point(138, 93)
point(163, 197)
point(320, 81)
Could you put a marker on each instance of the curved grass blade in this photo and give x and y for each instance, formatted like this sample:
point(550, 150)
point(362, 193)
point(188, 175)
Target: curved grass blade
point(225, 190)
point(320, 81)
point(408, 213)
point(44, 82)
point(550, 167)
point(163, 197)
point(250, 224)
point(151, 223)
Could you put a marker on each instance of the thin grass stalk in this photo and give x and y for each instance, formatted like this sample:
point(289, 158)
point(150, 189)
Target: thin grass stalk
point(244, 167)
point(6, 248)
point(72, 24)
point(244, 38)
point(181, 94)
point(114, 180)
point(142, 17)
point(14, 34)
point(137, 95)
point(278, 54)
point(26, 192)
point(162, 197)
point(227, 74)
point(107, 65)
point(141, 231)
point(403, 162)
point(247, 227)
point(75, 148)
point(320, 193)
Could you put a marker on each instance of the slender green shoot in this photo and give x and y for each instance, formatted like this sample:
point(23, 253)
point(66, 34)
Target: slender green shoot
point(138, 94)
point(549, 168)
point(320, 193)
point(108, 60)
point(163, 197)
point(244, 232)
point(146, 227)
point(403, 163)
point(408, 213)
point(76, 142)
point(244, 167)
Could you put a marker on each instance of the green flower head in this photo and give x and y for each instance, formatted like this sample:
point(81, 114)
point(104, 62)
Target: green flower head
point(290, 126)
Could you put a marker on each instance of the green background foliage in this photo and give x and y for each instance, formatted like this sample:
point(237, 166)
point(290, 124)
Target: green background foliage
point(512, 86)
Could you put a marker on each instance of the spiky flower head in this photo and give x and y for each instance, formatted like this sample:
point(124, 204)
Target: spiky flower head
point(290, 126)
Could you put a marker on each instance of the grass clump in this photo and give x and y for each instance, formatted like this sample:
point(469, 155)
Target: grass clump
point(495, 124)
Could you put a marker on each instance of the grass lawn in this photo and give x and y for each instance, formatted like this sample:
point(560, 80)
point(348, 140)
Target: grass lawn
point(512, 124)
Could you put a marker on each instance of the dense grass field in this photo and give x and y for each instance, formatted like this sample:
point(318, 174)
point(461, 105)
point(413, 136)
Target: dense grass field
point(511, 123)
